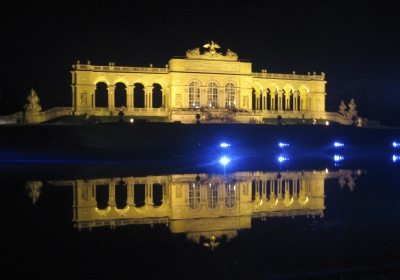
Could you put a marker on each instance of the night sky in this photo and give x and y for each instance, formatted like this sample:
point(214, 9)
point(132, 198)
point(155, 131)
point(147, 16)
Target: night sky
point(356, 44)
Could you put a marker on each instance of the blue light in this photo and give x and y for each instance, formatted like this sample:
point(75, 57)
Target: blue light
point(224, 145)
point(396, 158)
point(338, 144)
point(396, 144)
point(224, 161)
point(282, 158)
point(283, 145)
point(338, 158)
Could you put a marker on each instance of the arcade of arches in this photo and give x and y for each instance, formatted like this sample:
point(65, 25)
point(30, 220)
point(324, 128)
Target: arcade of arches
point(214, 84)
point(187, 201)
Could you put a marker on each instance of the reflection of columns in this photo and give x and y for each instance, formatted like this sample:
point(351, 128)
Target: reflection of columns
point(264, 190)
point(148, 98)
point(111, 94)
point(295, 100)
point(149, 194)
point(130, 194)
point(111, 194)
point(93, 95)
point(129, 96)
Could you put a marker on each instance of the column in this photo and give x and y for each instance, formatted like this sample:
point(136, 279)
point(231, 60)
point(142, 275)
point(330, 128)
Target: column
point(280, 93)
point(263, 100)
point(129, 96)
point(295, 100)
point(111, 91)
point(287, 101)
point(73, 88)
point(162, 98)
point(148, 99)
point(92, 95)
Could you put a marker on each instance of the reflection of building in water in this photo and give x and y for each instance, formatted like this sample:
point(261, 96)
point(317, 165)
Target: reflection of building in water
point(203, 206)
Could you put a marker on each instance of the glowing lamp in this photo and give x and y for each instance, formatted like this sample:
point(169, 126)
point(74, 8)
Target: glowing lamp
point(224, 161)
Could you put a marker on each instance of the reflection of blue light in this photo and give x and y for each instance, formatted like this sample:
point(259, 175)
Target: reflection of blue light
point(282, 158)
point(224, 160)
point(283, 144)
point(396, 158)
point(396, 144)
point(338, 144)
point(224, 145)
point(338, 158)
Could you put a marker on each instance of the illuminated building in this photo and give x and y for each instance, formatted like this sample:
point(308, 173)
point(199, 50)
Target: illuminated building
point(221, 85)
point(201, 205)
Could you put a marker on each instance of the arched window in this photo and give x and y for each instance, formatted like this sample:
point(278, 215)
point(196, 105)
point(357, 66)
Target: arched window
point(194, 94)
point(230, 195)
point(212, 196)
point(194, 196)
point(212, 94)
point(230, 92)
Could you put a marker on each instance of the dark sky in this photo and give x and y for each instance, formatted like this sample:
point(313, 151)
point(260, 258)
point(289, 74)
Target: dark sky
point(356, 43)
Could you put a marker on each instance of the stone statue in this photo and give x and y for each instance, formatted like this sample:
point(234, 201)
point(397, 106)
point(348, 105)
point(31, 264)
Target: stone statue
point(230, 53)
point(195, 51)
point(342, 108)
point(34, 188)
point(34, 102)
point(83, 98)
point(212, 47)
point(352, 108)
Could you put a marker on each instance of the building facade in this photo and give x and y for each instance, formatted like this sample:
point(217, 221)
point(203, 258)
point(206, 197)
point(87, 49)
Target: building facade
point(211, 83)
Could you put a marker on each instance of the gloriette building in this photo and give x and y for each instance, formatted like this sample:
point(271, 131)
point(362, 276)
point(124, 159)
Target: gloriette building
point(208, 82)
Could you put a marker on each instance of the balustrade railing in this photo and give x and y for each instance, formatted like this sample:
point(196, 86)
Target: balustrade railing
point(289, 76)
point(121, 68)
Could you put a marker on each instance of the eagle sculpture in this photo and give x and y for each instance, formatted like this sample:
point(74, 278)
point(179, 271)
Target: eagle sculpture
point(212, 46)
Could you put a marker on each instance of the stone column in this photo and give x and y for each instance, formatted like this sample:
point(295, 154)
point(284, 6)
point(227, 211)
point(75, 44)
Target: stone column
point(162, 98)
point(280, 95)
point(295, 100)
point(111, 94)
point(148, 99)
point(92, 96)
point(287, 101)
point(73, 88)
point(129, 96)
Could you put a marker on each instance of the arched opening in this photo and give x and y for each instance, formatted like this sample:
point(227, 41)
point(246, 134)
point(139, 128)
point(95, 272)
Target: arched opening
point(212, 196)
point(157, 96)
point(194, 196)
point(230, 195)
point(101, 95)
point(291, 108)
point(268, 101)
point(102, 196)
point(121, 194)
point(138, 95)
point(157, 194)
point(230, 93)
point(120, 95)
point(194, 94)
point(139, 195)
point(212, 95)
